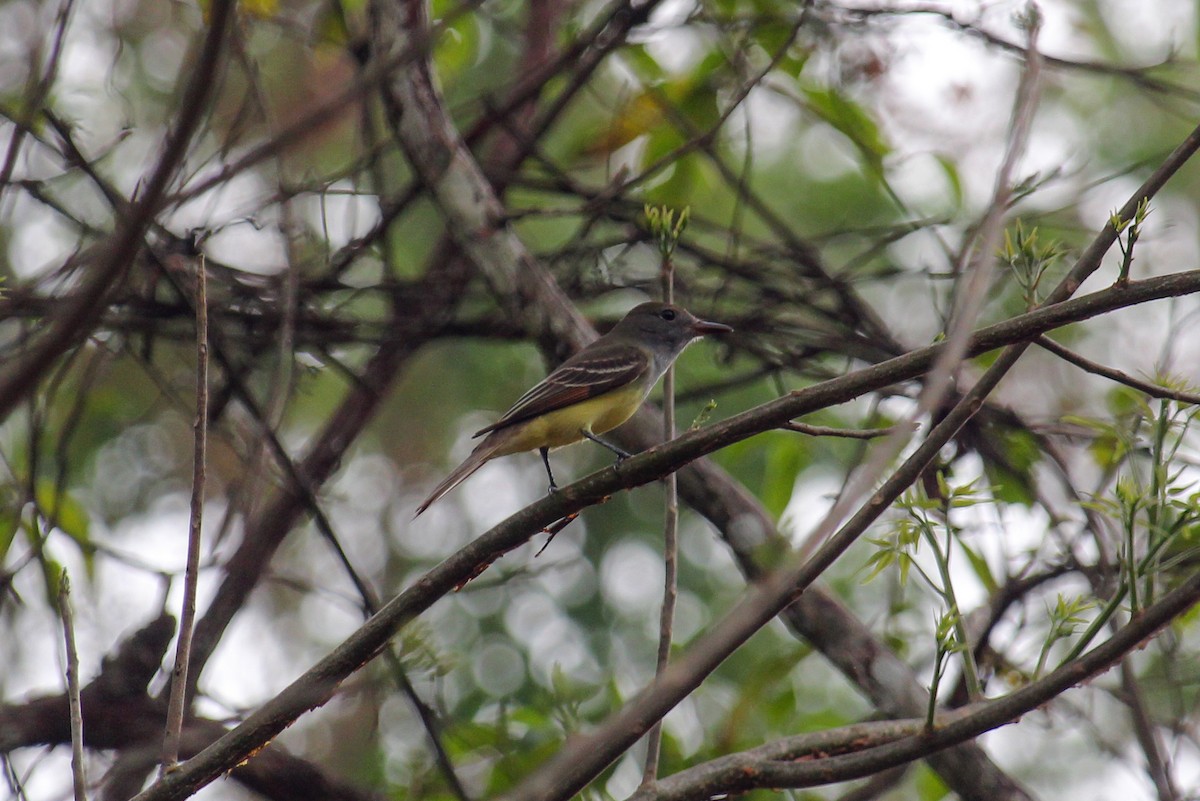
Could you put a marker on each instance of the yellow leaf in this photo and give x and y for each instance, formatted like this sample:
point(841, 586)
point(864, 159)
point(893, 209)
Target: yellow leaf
point(263, 9)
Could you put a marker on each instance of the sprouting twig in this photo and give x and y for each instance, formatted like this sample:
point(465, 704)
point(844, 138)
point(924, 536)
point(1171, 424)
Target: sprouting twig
point(667, 230)
point(973, 290)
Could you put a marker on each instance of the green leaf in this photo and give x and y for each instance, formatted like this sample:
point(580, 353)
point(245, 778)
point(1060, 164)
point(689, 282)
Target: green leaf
point(69, 517)
point(1011, 475)
point(980, 566)
point(8, 532)
point(1124, 402)
point(930, 786)
point(773, 36)
point(950, 170)
point(52, 572)
point(784, 462)
point(331, 25)
point(854, 122)
point(880, 560)
point(458, 48)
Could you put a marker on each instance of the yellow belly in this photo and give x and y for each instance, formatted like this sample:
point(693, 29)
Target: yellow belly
point(566, 426)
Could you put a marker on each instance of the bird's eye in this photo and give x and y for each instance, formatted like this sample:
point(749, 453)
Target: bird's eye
point(667, 314)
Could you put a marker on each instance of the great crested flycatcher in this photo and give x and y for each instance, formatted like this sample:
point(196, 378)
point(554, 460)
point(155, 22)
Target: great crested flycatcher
point(590, 393)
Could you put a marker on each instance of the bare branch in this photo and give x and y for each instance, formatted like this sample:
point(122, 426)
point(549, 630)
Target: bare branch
point(1151, 389)
point(177, 705)
point(78, 774)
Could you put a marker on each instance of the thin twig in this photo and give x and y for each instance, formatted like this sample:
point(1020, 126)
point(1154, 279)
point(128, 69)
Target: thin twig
point(1153, 390)
point(967, 306)
point(845, 433)
point(183, 650)
point(425, 712)
point(666, 621)
point(1158, 766)
point(38, 92)
point(1140, 76)
point(581, 759)
point(78, 775)
point(321, 113)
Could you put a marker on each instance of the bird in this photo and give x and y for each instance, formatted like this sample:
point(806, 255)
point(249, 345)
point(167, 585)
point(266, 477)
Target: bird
point(589, 394)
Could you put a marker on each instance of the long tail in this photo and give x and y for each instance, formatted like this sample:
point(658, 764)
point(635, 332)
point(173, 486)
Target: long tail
point(483, 451)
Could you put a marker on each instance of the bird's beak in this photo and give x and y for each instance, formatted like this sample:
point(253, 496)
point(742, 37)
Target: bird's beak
point(702, 327)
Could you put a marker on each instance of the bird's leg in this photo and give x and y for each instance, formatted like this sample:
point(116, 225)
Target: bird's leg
point(545, 452)
point(622, 455)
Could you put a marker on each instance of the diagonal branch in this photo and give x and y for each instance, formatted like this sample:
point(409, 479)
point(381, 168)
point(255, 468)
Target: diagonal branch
point(1150, 388)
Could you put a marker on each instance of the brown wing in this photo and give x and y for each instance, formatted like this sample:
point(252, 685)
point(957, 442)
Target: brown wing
point(591, 372)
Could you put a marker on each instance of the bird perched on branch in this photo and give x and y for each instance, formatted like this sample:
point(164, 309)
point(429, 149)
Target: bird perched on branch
point(593, 392)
